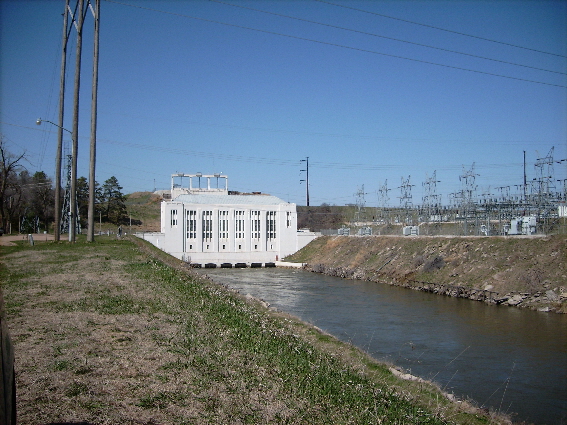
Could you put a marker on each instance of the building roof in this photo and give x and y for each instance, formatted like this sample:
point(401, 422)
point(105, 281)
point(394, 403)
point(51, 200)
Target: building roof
point(218, 199)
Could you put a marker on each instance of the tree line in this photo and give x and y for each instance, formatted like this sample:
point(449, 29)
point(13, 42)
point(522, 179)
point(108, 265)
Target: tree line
point(27, 200)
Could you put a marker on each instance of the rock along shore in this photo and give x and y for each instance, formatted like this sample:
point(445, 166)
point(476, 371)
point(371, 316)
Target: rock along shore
point(525, 273)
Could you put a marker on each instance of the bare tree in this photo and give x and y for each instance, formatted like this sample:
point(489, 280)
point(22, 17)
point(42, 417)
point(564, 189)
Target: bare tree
point(42, 198)
point(10, 165)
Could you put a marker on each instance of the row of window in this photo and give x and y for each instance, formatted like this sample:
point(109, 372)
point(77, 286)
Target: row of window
point(239, 217)
point(271, 225)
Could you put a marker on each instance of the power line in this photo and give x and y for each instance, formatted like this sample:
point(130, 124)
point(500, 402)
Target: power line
point(443, 29)
point(317, 164)
point(335, 135)
point(285, 162)
point(215, 155)
point(279, 161)
point(388, 38)
point(358, 49)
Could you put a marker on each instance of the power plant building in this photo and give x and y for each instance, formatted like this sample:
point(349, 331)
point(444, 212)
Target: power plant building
point(209, 225)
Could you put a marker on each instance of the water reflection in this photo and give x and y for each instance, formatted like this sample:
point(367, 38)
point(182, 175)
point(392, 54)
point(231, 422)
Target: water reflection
point(505, 358)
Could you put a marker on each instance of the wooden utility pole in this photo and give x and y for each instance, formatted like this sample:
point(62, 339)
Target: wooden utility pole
point(79, 19)
point(307, 178)
point(57, 233)
point(91, 217)
point(525, 180)
point(306, 160)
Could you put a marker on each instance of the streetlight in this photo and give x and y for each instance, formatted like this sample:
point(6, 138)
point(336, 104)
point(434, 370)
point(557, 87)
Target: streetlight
point(58, 185)
point(39, 121)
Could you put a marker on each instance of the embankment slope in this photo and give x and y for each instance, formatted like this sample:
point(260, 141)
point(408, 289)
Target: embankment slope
point(524, 272)
point(119, 332)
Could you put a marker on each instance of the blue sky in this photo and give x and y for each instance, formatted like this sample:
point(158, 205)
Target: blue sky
point(240, 87)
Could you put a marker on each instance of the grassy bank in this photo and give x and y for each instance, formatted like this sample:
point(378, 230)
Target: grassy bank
point(536, 268)
point(117, 332)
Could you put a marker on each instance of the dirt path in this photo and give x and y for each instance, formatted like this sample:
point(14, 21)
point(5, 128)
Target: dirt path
point(7, 240)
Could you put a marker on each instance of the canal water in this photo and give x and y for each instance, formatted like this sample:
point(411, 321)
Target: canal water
point(503, 358)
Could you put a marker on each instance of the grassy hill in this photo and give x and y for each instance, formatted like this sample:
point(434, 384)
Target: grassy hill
point(144, 209)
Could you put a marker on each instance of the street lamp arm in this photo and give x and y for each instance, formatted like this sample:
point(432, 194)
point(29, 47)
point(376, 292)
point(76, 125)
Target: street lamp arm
point(39, 121)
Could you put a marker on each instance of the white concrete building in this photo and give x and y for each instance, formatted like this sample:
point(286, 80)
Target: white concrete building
point(206, 226)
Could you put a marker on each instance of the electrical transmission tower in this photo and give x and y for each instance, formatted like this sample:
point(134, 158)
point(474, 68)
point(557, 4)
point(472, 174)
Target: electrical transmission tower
point(431, 200)
point(360, 213)
point(406, 198)
point(545, 196)
point(384, 201)
point(545, 183)
point(488, 204)
point(454, 200)
point(468, 195)
point(505, 205)
point(65, 224)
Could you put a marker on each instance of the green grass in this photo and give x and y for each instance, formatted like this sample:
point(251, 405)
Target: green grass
point(75, 389)
point(144, 208)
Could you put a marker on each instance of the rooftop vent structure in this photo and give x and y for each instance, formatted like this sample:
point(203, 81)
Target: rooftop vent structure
point(198, 183)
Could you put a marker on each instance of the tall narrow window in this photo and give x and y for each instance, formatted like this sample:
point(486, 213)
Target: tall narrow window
point(271, 225)
point(191, 224)
point(207, 226)
point(239, 224)
point(223, 224)
point(173, 220)
point(288, 221)
point(255, 224)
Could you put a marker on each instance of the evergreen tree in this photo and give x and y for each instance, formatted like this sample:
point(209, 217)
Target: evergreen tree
point(83, 199)
point(115, 208)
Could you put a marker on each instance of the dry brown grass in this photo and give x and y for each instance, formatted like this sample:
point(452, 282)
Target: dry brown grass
point(73, 365)
point(524, 265)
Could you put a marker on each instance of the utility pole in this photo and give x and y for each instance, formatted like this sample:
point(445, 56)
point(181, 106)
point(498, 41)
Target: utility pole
point(91, 212)
point(306, 177)
point(73, 203)
point(78, 18)
point(57, 231)
point(525, 179)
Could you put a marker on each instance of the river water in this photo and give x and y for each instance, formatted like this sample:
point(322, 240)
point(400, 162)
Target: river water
point(504, 358)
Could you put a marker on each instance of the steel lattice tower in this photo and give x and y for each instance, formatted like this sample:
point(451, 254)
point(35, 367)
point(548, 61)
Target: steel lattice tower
point(431, 200)
point(384, 200)
point(468, 194)
point(545, 183)
point(360, 214)
point(406, 197)
point(65, 210)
